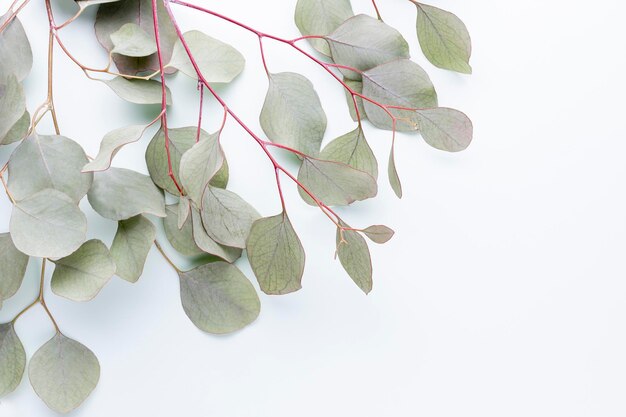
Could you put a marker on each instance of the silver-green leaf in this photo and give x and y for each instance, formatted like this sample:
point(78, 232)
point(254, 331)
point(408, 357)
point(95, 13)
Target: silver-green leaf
point(392, 173)
point(16, 56)
point(354, 256)
point(63, 372)
point(81, 275)
point(12, 105)
point(18, 131)
point(352, 149)
point(379, 233)
point(357, 87)
point(207, 244)
point(12, 359)
point(119, 194)
point(276, 255)
point(139, 91)
point(111, 143)
point(218, 298)
point(181, 238)
point(200, 164)
point(132, 40)
point(13, 265)
point(131, 246)
point(446, 129)
point(444, 38)
point(321, 17)
point(292, 114)
point(47, 224)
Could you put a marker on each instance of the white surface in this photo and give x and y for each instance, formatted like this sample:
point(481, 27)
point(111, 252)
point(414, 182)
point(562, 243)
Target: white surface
point(502, 294)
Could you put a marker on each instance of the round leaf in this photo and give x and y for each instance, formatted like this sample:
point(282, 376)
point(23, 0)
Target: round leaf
point(445, 129)
point(352, 149)
point(132, 40)
point(13, 265)
point(12, 359)
point(16, 56)
point(12, 105)
point(321, 17)
point(131, 246)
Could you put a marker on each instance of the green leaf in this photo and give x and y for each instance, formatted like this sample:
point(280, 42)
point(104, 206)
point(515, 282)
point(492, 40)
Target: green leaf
point(226, 217)
point(218, 61)
point(220, 179)
point(138, 91)
point(399, 83)
point(47, 224)
point(276, 255)
point(111, 144)
point(119, 194)
point(16, 56)
point(444, 38)
point(199, 164)
point(13, 265)
point(334, 183)
point(81, 276)
point(18, 131)
point(354, 256)
point(63, 373)
point(42, 162)
point(184, 209)
point(208, 245)
point(363, 42)
point(321, 17)
point(292, 114)
point(12, 105)
point(180, 238)
point(392, 173)
point(12, 359)
point(357, 87)
point(352, 149)
point(132, 40)
point(111, 17)
point(218, 298)
point(445, 129)
point(379, 233)
point(131, 245)
point(83, 4)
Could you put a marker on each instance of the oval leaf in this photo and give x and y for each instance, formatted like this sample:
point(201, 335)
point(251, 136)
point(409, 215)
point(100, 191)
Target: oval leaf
point(392, 173)
point(47, 225)
point(81, 276)
point(276, 255)
point(292, 114)
point(13, 265)
point(352, 149)
point(139, 91)
point(63, 373)
point(111, 143)
point(321, 17)
point(354, 256)
point(16, 56)
point(199, 165)
point(207, 244)
point(18, 131)
point(12, 359)
point(379, 233)
point(180, 238)
point(446, 129)
point(218, 298)
point(12, 105)
point(131, 246)
point(131, 40)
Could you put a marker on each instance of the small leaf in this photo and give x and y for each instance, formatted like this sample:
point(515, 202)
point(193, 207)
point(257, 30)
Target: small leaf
point(81, 276)
point(131, 245)
point(392, 173)
point(352, 149)
point(199, 164)
point(47, 225)
point(357, 87)
point(16, 56)
point(355, 258)
point(444, 39)
point(83, 4)
point(334, 183)
point(379, 233)
point(227, 218)
point(119, 194)
point(399, 83)
point(218, 298)
point(218, 61)
point(111, 143)
point(18, 131)
point(184, 208)
point(363, 42)
point(42, 162)
point(12, 359)
point(292, 114)
point(220, 179)
point(276, 255)
point(180, 238)
point(321, 17)
point(131, 40)
point(63, 373)
point(138, 91)
point(208, 245)
point(445, 129)
point(12, 105)
point(13, 265)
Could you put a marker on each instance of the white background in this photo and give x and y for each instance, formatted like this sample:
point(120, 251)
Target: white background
point(502, 294)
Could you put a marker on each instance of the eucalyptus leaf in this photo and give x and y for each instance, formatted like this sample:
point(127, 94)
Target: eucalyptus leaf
point(208, 245)
point(292, 114)
point(63, 373)
point(112, 16)
point(12, 105)
point(16, 56)
point(398, 83)
point(132, 40)
point(47, 224)
point(334, 183)
point(83, 4)
point(363, 42)
point(352, 149)
point(392, 173)
point(184, 209)
point(276, 255)
point(357, 87)
point(12, 359)
point(139, 91)
point(119, 194)
point(227, 217)
point(218, 61)
point(111, 144)
point(378, 233)
point(218, 298)
point(13, 265)
point(446, 129)
point(81, 275)
point(18, 131)
point(131, 245)
point(199, 164)
point(444, 38)
point(354, 256)
point(181, 238)
point(321, 17)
